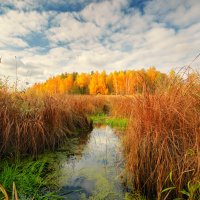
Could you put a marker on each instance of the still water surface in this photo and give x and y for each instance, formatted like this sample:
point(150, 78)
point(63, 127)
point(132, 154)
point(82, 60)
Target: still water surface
point(95, 173)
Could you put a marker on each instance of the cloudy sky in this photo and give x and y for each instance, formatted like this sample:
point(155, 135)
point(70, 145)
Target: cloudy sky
point(49, 37)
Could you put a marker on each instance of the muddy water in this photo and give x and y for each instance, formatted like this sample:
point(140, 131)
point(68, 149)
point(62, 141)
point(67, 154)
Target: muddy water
point(96, 172)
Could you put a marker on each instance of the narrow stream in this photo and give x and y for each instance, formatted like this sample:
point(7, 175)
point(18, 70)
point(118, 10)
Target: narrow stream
point(95, 173)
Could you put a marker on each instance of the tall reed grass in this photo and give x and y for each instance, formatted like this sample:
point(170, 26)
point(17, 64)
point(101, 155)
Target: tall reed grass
point(92, 104)
point(121, 106)
point(162, 142)
point(30, 124)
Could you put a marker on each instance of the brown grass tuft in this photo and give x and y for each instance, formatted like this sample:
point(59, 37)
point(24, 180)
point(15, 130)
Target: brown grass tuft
point(162, 143)
point(30, 124)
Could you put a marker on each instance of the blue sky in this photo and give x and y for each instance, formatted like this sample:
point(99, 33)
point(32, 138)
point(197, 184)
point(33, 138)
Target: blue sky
point(56, 36)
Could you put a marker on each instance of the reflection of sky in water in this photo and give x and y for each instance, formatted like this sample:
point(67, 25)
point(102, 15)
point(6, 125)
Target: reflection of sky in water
point(103, 144)
point(96, 172)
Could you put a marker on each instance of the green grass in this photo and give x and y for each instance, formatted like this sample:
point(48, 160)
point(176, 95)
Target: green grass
point(119, 123)
point(37, 179)
point(29, 178)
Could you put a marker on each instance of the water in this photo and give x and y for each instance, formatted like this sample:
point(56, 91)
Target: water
point(95, 172)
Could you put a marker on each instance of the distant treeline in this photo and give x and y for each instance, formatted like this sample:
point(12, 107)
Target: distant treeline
point(116, 83)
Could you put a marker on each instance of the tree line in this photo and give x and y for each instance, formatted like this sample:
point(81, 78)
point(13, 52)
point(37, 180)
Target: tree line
point(116, 83)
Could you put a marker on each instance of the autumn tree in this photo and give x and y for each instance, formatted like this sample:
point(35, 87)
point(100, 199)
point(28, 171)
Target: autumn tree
point(119, 83)
point(82, 81)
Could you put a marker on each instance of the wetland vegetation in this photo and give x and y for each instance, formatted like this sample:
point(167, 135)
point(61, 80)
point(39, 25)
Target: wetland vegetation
point(140, 146)
point(99, 100)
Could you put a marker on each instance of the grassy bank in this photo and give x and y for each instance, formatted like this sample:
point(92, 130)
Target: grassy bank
point(38, 178)
point(30, 124)
point(29, 178)
point(119, 123)
point(162, 141)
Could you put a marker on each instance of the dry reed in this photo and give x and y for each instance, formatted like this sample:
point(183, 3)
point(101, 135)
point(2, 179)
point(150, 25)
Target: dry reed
point(30, 124)
point(162, 143)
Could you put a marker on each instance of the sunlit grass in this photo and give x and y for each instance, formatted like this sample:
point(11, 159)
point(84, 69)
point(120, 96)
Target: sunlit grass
point(30, 125)
point(120, 123)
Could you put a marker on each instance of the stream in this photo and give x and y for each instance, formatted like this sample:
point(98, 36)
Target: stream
point(96, 171)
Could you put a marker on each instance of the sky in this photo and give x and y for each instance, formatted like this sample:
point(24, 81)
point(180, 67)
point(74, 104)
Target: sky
point(49, 37)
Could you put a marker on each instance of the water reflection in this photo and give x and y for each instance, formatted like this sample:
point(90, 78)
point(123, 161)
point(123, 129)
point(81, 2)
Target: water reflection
point(94, 174)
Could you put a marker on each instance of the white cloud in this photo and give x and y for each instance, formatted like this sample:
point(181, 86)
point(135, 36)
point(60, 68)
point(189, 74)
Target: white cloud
point(180, 13)
point(67, 28)
point(104, 13)
point(19, 23)
point(6, 41)
point(100, 36)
